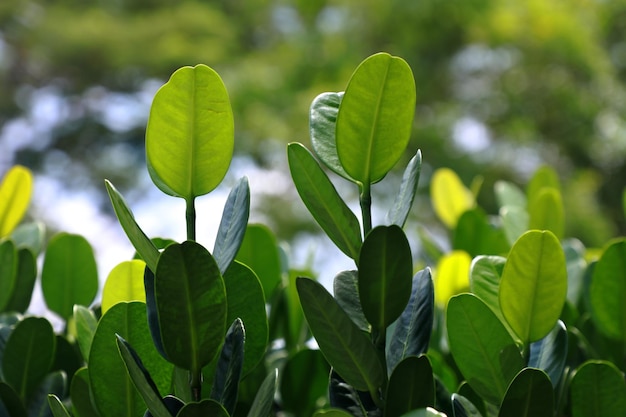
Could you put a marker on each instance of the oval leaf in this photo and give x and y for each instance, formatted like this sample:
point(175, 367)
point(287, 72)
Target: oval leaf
point(450, 198)
point(346, 292)
point(399, 211)
point(411, 386)
point(529, 395)
point(124, 283)
point(15, 191)
point(598, 390)
point(86, 324)
point(26, 275)
point(232, 227)
point(8, 272)
point(546, 212)
point(190, 133)
point(451, 276)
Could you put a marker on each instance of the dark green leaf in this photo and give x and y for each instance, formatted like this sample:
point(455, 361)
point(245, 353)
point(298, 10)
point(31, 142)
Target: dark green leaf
point(321, 198)
point(332, 412)
point(25, 277)
point(86, 324)
point(344, 345)
point(529, 395)
point(550, 353)
point(411, 335)
point(69, 275)
point(8, 272)
point(264, 399)
point(375, 117)
point(233, 225)
point(57, 407)
point(229, 367)
point(399, 211)
point(385, 272)
point(598, 390)
point(411, 386)
point(259, 251)
point(475, 235)
point(10, 401)
point(54, 383)
point(462, 407)
point(82, 397)
point(304, 382)
point(346, 291)
point(204, 408)
point(345, 397)
point(152, 312)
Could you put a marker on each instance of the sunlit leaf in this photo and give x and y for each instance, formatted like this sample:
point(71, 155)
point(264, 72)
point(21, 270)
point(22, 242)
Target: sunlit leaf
point(399, 211)
point(544, 177)
point(450, 198)
point(514, 221)
point(124, 283)
point(451, 276)
point(509, 195)
point(15, 192)
point(232, 229)
point(546, 211)
point(86, 323)
point(529, 395)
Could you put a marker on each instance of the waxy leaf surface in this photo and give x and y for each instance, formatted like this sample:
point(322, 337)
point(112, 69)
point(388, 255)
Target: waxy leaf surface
point(232, 229)
point(399, 211)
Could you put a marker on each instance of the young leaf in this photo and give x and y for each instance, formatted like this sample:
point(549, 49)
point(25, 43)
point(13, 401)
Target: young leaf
point(8, 272)
point(203, 408)
point(411, 335)
point(25, 277)
point(142, 244)
point(322, 126)
point(15, 191)
point(321, 198)
point(57, 407)
point(452, 276)
point(529, 395)
point(304, 382)
point(124, 283)
point(411, 385)
point(264, 399)
point(375, 117)
point(533, 285)
point(598, 390)
point(86, 324)
point(550, 353)
point(229, 367)
point(385, 275)
point(346, 291)
point(190, 133)
point(399, 211)
point(449, 196)
point(462, 407)
point(232, 227)
point(69, 275)
point(546, 212)
point(191, 304)
point(259, 251)
point(348, 350)
point(481, 347)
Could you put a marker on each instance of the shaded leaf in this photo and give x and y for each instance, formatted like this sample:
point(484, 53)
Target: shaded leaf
point(264, 399)
point(475, 235)
point(229, 367)
point(550, 353)
point(546, 212)
point(529, 395)
point(203, 408)
point(462, 407)
point(10, 401)
point(232, 229)
point(345, 397)
point(86, 324)
point(509, 195)
point(26, 274)
point(399, 211)
point(153, 312)
point(30, 236)
point(8, 272)
point(598, 390)
point(346, 292)
point(81, 395)
point(411, 386)
point(260, 252)
point(57, 407)
point(304, 382)
point(54, 383)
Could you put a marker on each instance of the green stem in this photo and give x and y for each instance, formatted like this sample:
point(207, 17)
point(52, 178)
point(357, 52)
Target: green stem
point(366, 208)
point(195, 383)
point(190, 216)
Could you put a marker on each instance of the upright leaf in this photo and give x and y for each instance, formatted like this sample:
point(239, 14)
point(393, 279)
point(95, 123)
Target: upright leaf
point(30, 235)
point(69, 275)
point(544, 177)
point(598, 390)
point(232, 229)
point(10, 402)
point(411, 386)
point(509, 195)
point(399, 211)
point(385, 272)
point(375, 117)
point(534, 285)
point(8, 272)
point(462, 407)
point(304, 382)
point(81, 395)
point(25, 277)
point(476, 235)
point(346, 292)
point(203, 408)
point(344, 345)
point(15, 191)
point(191, 301)
point(529, 395)
point(259, 250)
point(229, 367)
point(53, 383)
point(451, 276)
point(86, 324)
point(264, 399)
point(321, 198)
point(152, 312)
point(546, 211)
point(450, 198)
point(57, 407)
point(550, 353)
point(124, 283)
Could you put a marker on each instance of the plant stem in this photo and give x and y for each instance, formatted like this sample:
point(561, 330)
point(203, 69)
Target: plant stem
point(366, 208)
point(195, 383)
point(190, 216)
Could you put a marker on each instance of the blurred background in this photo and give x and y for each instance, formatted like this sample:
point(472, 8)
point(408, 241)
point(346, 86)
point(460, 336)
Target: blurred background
point(503, 87)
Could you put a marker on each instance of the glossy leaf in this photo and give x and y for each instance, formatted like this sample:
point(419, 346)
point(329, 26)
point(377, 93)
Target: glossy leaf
point(142, 243)
point(344, 396)
point(450, 198)
point(375, 117)
point(259, 251)
point(153, 312)
point(411, 386)
point(509, 195)
point(69, 275)
point(203, 408)
point(113, 390)
point(481, 346)
point(598, 390)
point(11, 402)
point(321, 198)
point(346, 292)
point(451, 276)
point(15, 192)
point(546, 212)
point(28, 355)
point(56, 407)
point(232, 229)
point(245, 301)
point(81, 395)
point(385, 275)
point(533, 285)
point(191, 303)
point(190, 133)
point(529, 395)
point(411, 335)
point(399, 211)
point(304, 382)
point(344, 345)
point(607, 289)
point(264, 399)
point(462, 407)
point(550, 353)
point(322, 125)
point(229, 367)
point(86, 324)
point(8, 272)
point(26, 274)
point(124, 283)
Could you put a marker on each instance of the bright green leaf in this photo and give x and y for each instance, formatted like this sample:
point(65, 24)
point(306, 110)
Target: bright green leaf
point(544, 177)
point(411, 385)
point(232, 229)
point(399, 211)
point(476, 235)
point(15, 191)
point(529, 395)
point(450, 198)
point(57, 407)
point(124, 283)
point(598, 390)
point(509, 195)
point(514, 221)
point(259, 251)
point(86, 324)
point(546, 212)
point(451, 276)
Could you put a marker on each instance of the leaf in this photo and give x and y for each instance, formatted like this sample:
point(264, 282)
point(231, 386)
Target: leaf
point(546, 212)
point(28, 355)
point(375, 117)
point(322, 124)
point(25, 277)
point(514, 221)
point(304, 382)
point(477, 236)
point(533, 285)
point(229, 367)
point(15, 192)
point(191, 303)
point(509, 195)
point(30, 236)
point(344, 396)
point(550, 353)
point(124, 283)
point(141, 379)
point(264, 399)
point(54, 383)
point(69, 275)
point(385, 275)
point(332, 412)
point(114, 393)
point(462, 407)
point(203, 408)
point(544, 177)
point(450, 198)
point(81, 395)
point(424, 412)
point(10, 401)
point(576, 268)
point(57, 407)
point(346, 292)
point(190, 133)
point(8, 272)
point(411, 335)
point(451, 276)
point(245, 301)
point(232, 229)
point(598, 390)
point(344, 345)
point(86, 324)
point(411, 386)
point(529, 395)
point(259, 251)
point(153, 312)
point(142, 244)
point(607, 289)
point(399, 211)
point(321, 199)
point(481, 347)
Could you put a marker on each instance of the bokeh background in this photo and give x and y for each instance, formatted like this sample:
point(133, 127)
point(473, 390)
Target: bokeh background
point(503, 87)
